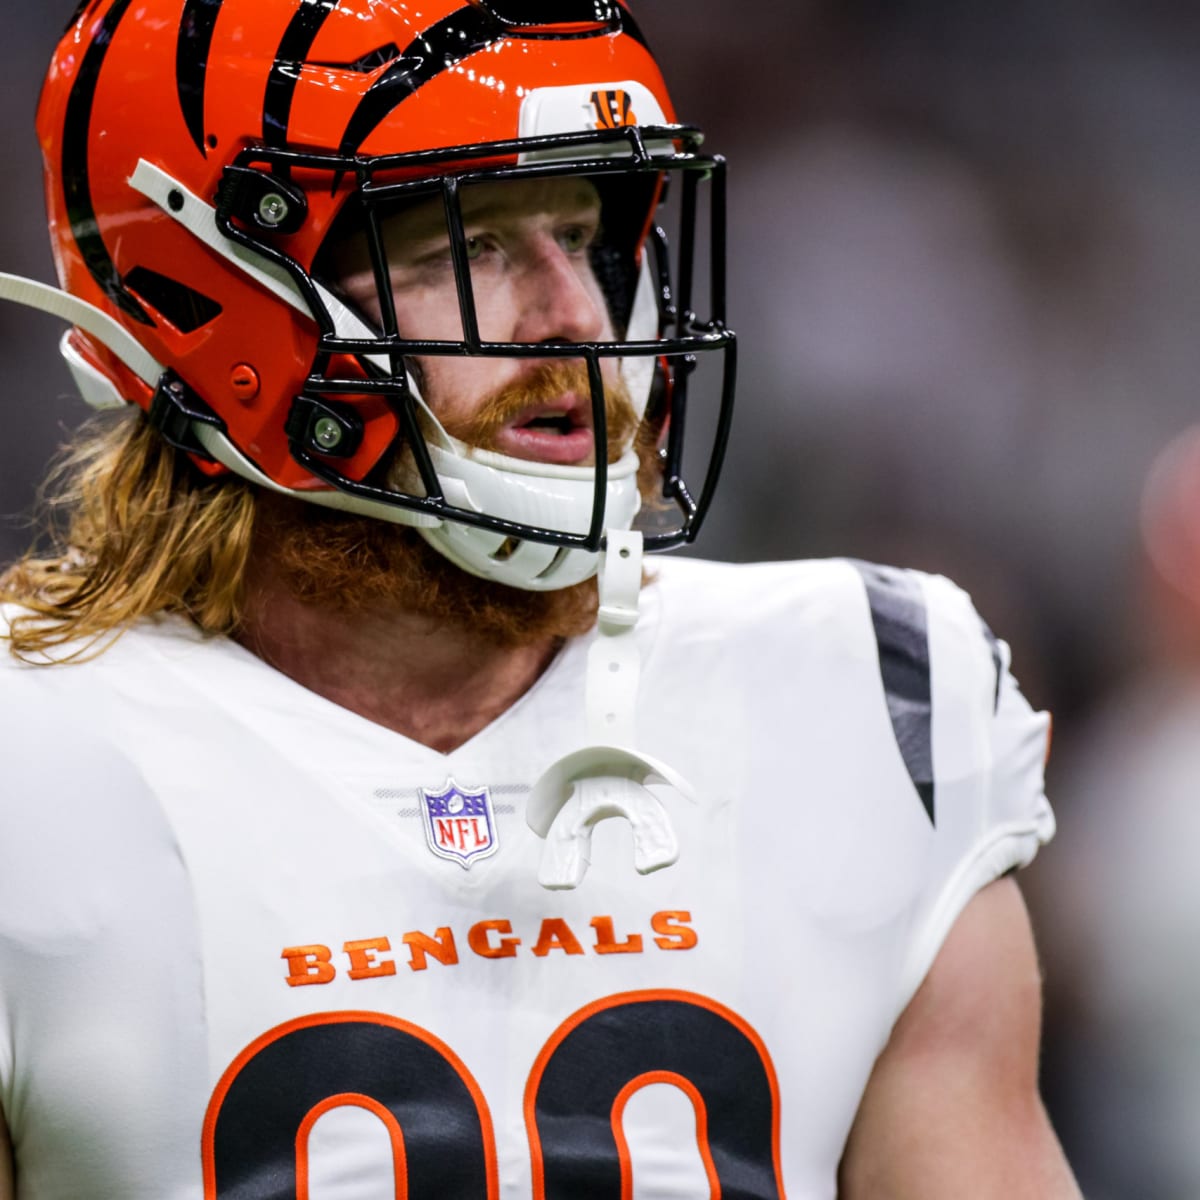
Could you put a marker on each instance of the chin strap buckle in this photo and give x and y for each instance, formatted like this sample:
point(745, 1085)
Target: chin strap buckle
point(174, 412)
point(608, 778)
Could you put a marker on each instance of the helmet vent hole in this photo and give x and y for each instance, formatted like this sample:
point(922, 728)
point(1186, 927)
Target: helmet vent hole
point(506, 550)
point(183, 306)
point(555, 563)
point(212, 141)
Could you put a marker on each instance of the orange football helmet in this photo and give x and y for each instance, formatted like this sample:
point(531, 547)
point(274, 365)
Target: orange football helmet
point(198, 154)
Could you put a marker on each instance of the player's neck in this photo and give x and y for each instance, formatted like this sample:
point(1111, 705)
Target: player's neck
point(436, 684)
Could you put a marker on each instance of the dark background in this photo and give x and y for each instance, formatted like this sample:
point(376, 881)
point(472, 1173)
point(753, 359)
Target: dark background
point(965, 265)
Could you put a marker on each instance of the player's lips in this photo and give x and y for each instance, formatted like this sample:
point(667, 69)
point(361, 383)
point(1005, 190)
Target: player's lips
point(559, 431)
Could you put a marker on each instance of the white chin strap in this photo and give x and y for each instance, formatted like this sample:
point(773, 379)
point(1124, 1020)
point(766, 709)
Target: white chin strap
point(532, 493)
point(96, 389)
point(608, 777)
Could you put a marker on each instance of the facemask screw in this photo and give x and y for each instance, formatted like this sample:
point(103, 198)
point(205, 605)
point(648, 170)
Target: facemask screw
point(273, 209)
point(327, 433)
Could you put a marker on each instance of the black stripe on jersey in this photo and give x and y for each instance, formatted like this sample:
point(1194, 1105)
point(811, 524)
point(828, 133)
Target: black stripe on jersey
point(77, 185)
point(997, 662)
point(301, 32)
point(901, 625)
point(191, 63)
point(439, 48)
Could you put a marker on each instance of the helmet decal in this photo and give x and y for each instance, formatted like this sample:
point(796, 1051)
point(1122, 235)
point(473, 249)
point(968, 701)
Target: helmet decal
point(75, 176)
point(191, 63)
point(613, 108)
point(293, 50)
point(439, 48)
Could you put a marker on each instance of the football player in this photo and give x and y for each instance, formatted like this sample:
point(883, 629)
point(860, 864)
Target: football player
point(415, 836)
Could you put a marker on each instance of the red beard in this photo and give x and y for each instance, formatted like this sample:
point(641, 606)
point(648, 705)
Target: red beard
point(353, 564)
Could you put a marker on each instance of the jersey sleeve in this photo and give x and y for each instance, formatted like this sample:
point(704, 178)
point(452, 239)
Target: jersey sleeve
point(972, 746)
point(988, 749)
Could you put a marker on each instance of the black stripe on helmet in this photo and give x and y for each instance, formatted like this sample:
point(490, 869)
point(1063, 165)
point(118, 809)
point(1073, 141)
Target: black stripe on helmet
point(901, 625)
point(80, 9)
point(77, 188)
point(632, 29)
point(439, 48)
point(191, 63)
point(301, 32)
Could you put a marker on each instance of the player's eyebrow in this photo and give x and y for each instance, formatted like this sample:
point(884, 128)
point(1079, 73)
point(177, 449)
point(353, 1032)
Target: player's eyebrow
point(426, 220)
point(580, 200)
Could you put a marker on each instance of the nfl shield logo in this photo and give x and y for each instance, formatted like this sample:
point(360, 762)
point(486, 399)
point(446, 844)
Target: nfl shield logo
point(460, 824)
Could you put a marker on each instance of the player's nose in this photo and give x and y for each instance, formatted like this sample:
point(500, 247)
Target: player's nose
point(558, 297)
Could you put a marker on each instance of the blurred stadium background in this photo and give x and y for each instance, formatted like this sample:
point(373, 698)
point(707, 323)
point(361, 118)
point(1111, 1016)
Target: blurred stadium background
point(965, 259)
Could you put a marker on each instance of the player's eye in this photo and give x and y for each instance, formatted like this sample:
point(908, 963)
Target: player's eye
point(474, 247)
point(575, 238)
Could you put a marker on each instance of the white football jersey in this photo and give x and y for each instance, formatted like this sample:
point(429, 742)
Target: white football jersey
point(255, 947)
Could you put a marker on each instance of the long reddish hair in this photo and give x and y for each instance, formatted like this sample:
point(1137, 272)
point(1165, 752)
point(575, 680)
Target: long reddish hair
point(132, 531)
